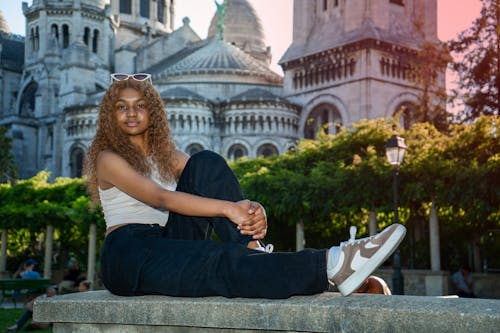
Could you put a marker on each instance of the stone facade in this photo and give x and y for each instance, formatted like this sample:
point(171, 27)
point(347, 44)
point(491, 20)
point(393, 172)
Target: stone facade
point(346, 62)
point(350, 60)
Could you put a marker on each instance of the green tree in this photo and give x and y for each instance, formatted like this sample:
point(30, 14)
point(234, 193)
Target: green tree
point(427, 71)
point(477, 50)
point(7, 166)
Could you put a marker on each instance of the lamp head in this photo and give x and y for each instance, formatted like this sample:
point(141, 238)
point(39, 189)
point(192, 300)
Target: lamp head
point(395, 150)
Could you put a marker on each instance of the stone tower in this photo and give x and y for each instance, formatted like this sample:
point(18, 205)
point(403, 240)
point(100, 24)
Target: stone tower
point(66, 57)
point(349, 59)
point(136, 23)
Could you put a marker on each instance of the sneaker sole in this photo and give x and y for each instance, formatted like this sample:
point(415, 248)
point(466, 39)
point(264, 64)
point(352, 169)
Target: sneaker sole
point(358, 277)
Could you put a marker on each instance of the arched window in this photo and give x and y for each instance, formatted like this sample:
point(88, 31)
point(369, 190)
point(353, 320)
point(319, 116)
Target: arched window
point(76, 162)
point(194, 148)
point(27, 106)
point(161, 11)
point(86, 36)
point(144, 8)
point(267, 150)
point(65, 41)
point(406, 112)
point(95, 41)
point(126, 6)
point(236, 151)
point(54, 31)
point(323, 117)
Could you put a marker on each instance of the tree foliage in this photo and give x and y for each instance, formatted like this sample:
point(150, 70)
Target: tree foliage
point(477, 52)
point(327, 184)
point(28, 206)
point(334, 181)
point(427, 71)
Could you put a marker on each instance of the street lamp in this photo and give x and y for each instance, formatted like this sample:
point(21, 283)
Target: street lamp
point(395, 150)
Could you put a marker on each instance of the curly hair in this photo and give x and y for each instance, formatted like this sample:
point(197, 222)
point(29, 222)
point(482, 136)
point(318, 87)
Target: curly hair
point(160, 146)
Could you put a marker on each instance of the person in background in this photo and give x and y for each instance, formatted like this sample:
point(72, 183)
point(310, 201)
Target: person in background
point(28, 314)
point(462, 282)
point(84, 285)
point(72, 277)
point(27, 270)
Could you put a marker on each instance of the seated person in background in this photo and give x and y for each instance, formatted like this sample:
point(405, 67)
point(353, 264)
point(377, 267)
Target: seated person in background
point(462, 282)
point(26, 271)
point(84, 285)
point(72, 277)
point(28, 314)
point(374, 285)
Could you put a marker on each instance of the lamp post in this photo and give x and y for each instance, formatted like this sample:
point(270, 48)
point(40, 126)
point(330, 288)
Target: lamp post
point(395, 150)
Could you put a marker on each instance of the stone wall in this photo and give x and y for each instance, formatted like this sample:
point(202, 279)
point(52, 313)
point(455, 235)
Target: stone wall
point(102, 312)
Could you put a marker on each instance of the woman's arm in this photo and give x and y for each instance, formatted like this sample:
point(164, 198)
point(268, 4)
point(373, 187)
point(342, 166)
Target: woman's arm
point(113, 170)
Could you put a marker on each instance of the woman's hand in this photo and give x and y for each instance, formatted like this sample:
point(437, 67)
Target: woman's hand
point(250, 217)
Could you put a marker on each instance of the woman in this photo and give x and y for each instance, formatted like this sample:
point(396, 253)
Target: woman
point(160, 207)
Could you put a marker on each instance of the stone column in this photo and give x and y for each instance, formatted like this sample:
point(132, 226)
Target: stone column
point(299, 233)
point(3, 251)
point(49, 238)
point(434, 238)
point(91, 253)
point(372, 222)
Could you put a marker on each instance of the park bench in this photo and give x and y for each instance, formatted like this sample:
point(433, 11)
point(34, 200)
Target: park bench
point(16, 288)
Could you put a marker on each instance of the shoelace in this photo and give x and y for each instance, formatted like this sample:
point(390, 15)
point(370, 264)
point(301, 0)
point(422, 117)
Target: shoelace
point(269, 248)
point(352, 239)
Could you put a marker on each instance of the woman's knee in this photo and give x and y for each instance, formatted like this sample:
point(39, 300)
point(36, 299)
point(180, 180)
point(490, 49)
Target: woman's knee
point(208, 157)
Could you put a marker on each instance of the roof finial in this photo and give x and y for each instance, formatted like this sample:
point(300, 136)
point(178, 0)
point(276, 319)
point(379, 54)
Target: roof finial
point(221, 9)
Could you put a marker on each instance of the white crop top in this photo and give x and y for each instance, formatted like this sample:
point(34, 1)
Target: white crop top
point(119, 207)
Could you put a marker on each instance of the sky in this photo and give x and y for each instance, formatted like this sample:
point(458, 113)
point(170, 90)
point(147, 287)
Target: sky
point(454, 16)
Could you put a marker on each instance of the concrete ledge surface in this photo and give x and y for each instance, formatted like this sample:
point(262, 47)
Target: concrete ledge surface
point(100, 311)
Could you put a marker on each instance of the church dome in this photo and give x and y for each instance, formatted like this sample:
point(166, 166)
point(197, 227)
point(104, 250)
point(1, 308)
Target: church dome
point(217, 57)
point(4, 27)
point(242, 27)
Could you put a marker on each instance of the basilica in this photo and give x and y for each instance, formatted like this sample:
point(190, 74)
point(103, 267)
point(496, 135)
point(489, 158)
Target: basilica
point(348, 61)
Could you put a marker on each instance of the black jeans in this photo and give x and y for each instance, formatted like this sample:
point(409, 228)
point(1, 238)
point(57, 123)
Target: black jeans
point(181, 260)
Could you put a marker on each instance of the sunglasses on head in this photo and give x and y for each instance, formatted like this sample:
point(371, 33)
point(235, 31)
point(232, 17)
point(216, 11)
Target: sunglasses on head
point(137, 76)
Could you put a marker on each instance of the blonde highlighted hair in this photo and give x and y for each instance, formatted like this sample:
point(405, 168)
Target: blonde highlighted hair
point(159, 143)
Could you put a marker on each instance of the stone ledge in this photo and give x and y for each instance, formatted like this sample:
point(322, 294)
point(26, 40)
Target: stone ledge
point(100, 311)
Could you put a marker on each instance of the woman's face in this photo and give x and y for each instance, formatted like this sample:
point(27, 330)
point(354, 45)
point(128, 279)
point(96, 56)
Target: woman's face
point(131, 114)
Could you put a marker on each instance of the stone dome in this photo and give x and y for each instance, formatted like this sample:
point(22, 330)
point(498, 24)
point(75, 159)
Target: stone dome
point(242, 27)
point(3, 24)
point(217, 57)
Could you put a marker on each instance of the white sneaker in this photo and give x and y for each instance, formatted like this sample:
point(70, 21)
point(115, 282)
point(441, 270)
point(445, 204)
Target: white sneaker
point(359, 258)
point(269, 248)
point(13, 328)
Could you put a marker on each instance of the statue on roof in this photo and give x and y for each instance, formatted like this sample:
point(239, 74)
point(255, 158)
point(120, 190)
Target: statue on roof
point(221, 9)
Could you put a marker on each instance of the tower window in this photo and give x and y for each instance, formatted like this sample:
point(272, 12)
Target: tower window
point(161, 11)
point(32, 39)
point(144, 8)
point(54, 31)
point(325, 5)
point(37, 39)
point(336, 3)
point(65, 40)
point(86, 36)
point(95, 41)
point(126, 6)
point(397, 2)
